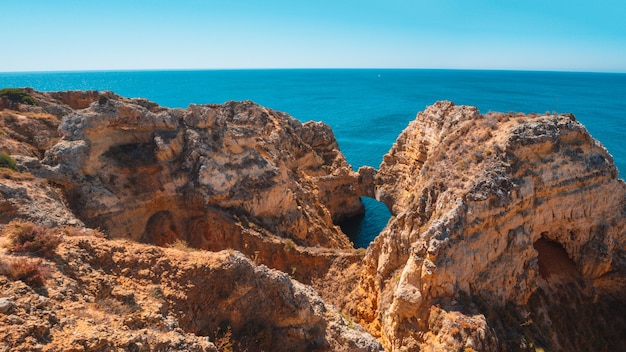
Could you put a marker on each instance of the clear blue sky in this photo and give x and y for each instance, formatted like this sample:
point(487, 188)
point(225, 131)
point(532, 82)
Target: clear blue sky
point(45, 35)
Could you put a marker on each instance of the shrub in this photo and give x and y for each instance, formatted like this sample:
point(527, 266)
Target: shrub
point(7, 162)
point(18, 95)
point(26, 237)
point(26, 270)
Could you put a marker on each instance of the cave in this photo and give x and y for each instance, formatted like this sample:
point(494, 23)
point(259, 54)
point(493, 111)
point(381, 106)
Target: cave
point(553, 260)
point(362, 229)
point(132, 154)
point(161, 229)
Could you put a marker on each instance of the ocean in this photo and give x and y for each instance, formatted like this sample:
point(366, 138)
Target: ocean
point(368, 108)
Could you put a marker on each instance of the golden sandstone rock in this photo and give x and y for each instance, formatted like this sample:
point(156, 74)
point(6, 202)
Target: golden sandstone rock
point(507, 231)
point(495, 211)
point(232, 176)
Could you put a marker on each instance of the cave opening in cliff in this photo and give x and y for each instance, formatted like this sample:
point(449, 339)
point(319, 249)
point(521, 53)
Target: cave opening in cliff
point(553, 260)
point(363, 228)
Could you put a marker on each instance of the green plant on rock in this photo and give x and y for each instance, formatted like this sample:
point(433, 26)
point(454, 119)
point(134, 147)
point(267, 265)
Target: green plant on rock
point(347, 319)
point(7, 162)
point(18, 95)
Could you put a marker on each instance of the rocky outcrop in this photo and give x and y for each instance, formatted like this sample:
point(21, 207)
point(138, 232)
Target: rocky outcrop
point(493, 210)
point(25, 135)
point(23, 196)
point(107, 295)
point(233, 176)
point(507, 231)
point(154, 174)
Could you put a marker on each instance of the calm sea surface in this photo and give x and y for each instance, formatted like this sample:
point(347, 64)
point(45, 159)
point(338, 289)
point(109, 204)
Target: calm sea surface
point(368, 109)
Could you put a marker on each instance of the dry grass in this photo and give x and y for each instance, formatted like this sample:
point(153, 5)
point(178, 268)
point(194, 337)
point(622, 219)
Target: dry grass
point(27, 237)
point(43, 116)
point(223, 340)
point(29, 271)
point(113, 306)
point(9, 174)
point(182, 245)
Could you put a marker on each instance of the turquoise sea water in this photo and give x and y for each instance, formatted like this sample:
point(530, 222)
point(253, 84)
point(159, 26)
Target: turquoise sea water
point(368, 109)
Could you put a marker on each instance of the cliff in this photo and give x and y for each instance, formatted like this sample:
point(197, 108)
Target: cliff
point(103, 295)
point(131, 166)
point(233, 176)
point(504, 228)
point(236, 176)
point(507, 231)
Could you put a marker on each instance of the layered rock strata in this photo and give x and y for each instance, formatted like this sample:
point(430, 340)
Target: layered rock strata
point(492, 210)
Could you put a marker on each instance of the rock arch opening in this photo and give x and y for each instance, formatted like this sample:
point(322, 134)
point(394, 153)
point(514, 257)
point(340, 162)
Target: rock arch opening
point(363, 228)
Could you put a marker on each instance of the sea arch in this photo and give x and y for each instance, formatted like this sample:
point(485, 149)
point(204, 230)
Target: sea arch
point(362, 229)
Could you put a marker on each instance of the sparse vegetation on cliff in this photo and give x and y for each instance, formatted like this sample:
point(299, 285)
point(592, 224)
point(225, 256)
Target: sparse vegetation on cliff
point(7, 162)
point(27, 237)
point(18, 95)
point(27, 270)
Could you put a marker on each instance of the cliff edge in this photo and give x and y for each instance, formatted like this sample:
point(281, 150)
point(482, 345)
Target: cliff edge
point(232, 176)
point(235, 176)
point(504, 227)
point(157, 175)
point(507, 231)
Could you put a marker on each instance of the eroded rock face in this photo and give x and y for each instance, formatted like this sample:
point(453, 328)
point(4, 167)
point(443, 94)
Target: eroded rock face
point(105, 295)
point(232, 176)
point(156, 175)
point(473, 199)
point(507, 230)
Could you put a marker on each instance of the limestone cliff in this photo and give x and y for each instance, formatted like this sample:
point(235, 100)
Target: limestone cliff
point(492, 215)
point(148, 173)
point(233, 176)
point(507, 231)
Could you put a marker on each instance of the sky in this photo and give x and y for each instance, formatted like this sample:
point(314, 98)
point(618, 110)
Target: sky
point(76, 35)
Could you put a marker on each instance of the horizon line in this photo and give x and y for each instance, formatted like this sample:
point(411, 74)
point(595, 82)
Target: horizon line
point(312, 68)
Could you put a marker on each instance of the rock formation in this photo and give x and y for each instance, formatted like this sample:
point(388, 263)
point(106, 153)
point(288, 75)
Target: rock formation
point(507, 231)
point(213, 177)
point(492, 213)
point(104, 295)
point(236, 175)
point(153, 174)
